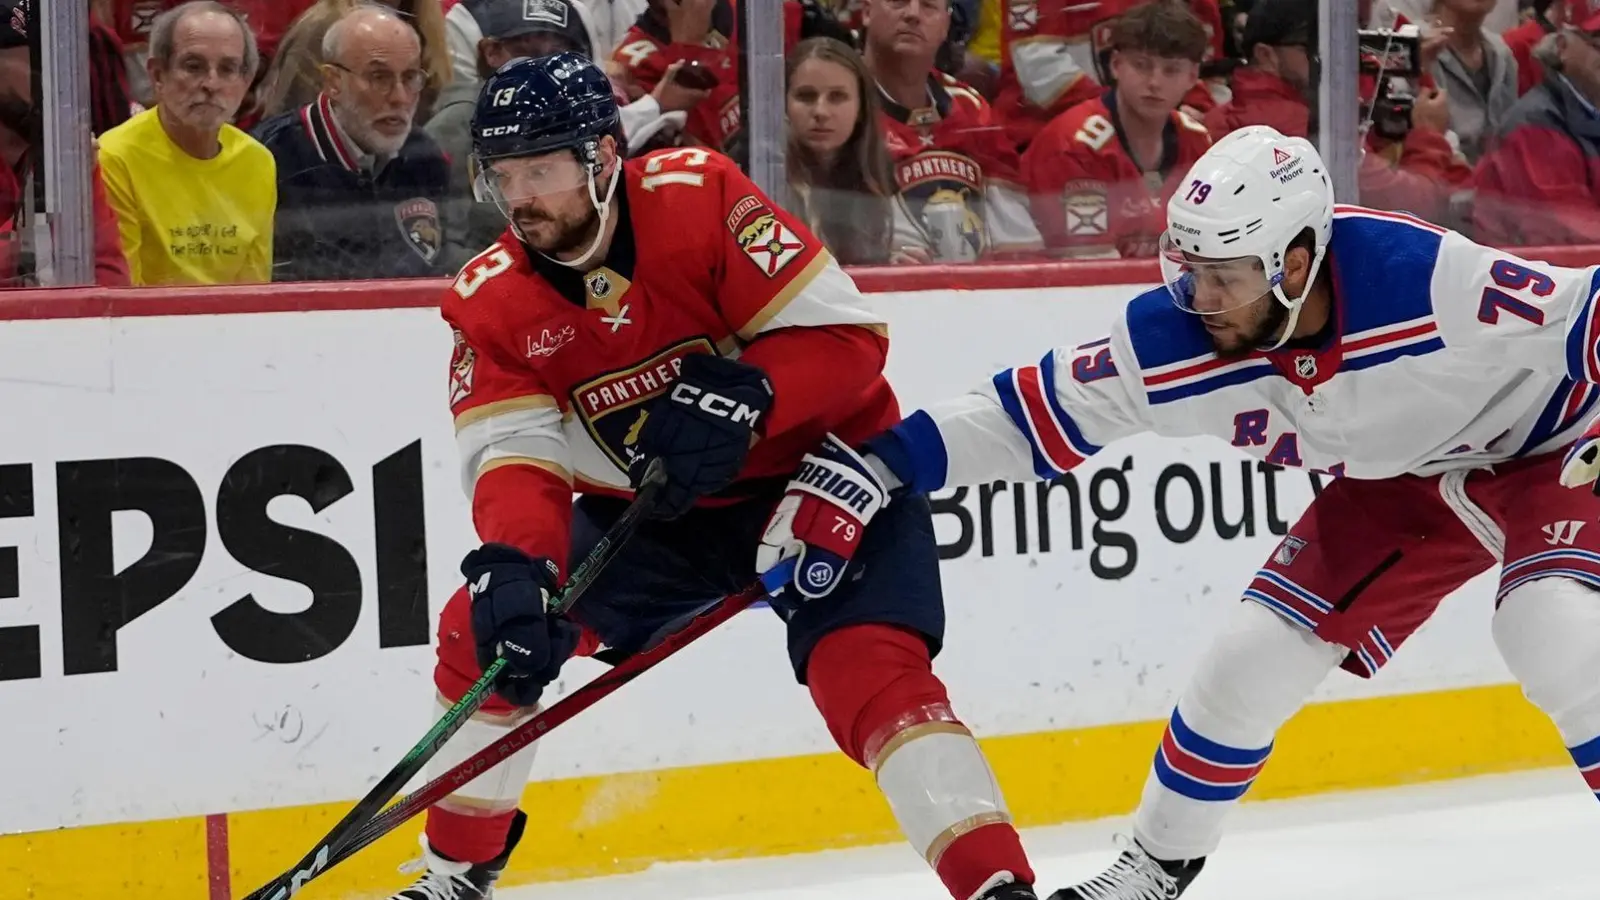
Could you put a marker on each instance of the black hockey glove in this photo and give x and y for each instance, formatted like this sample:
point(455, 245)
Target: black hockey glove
point(702, 429)
point(511, 594)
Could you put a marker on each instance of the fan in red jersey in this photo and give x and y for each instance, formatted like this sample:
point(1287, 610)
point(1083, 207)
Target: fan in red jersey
point(700, 34)
point(1099, 175)
point(958, 174)
point(664, 310)
point(1053, 55)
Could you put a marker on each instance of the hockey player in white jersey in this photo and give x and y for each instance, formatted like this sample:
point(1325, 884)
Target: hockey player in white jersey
point(1441, 381)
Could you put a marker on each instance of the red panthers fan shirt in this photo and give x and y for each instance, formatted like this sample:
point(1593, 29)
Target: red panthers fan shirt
point(554, 370)
point(1052, 53)
point(958, 174)
point(1089, 196)
point(647, 49)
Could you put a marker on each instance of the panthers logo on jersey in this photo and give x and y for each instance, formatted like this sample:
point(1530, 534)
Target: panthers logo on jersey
point(944, 192)
point(613, 406)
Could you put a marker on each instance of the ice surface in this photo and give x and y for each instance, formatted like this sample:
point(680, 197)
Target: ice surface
point(1529, 835)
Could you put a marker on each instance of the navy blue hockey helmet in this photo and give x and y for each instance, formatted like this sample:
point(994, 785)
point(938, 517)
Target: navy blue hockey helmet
point(537, 106)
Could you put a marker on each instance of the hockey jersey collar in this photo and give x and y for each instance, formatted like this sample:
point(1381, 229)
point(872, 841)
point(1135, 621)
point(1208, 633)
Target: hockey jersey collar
point(328, 138)
point(620, 258)
point(1169, 135)
point(939, 100)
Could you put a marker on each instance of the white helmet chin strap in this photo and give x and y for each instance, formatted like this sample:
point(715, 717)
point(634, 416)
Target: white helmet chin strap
point(601, 206)
point(1297, 303)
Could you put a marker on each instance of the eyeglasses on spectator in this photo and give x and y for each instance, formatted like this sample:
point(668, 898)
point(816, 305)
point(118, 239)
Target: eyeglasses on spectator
point(384, 80)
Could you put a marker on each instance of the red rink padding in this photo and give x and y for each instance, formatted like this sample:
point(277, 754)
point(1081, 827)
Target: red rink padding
point(91, 302)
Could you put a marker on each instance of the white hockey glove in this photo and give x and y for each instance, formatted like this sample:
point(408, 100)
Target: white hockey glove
point(822, 517)
point(1582, 466)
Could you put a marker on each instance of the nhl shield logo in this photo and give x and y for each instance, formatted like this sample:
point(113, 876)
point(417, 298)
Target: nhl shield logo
point(418, 219)
point(1305, 366)
point(599, 285)
point(1288, 550)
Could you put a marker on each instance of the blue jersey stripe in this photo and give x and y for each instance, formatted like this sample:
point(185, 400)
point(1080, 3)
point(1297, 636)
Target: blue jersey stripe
point(1047, 377)
point(1005, 387)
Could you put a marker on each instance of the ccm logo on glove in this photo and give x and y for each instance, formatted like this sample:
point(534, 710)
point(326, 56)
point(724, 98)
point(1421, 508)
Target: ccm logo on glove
point(715, 404)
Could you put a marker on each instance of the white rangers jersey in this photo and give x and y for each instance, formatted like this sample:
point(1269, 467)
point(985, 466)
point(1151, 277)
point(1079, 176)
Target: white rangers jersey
point(1444, 354)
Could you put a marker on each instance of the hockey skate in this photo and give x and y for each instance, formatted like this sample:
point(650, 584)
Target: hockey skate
point(1009, 890)
point(1136, 875)
point(446, 879)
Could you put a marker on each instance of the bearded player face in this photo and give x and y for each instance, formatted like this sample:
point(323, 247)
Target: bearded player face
point(547, 198)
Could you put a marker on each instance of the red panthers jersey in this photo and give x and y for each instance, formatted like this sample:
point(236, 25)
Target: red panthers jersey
point(646, 50)
point(1089, 196)
point(554, 369)
point(1053, 55)
point(958, 175)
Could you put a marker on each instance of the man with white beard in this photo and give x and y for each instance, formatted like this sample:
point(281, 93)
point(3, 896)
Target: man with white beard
point(360, 185)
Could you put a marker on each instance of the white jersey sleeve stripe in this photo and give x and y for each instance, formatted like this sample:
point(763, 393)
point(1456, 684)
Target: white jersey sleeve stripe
point(1028, 396)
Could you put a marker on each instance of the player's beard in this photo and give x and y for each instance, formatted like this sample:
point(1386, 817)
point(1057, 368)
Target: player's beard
point(1256, 335)
point(568, 236)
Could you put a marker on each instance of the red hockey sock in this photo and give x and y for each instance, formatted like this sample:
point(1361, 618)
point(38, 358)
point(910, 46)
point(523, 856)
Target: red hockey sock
point(467, 838)
point(974, 858)
point(875, 687)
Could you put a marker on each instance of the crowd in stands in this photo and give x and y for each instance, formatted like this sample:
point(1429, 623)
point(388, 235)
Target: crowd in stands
point(245, 141)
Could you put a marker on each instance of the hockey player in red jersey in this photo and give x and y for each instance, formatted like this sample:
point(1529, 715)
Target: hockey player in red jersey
point(958, 174)
point(665, 309)
point(1052, 55)
point(1099, 175)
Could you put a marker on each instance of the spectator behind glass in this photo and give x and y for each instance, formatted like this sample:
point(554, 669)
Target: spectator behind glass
point(21, 242)
point(1542, 17)
point(1476, 71)
point(194, 195)
point(296, 74)
point(513, 28)
point(605, 20)
point(1539, 184)
point(1418, 171)
point(954, 168)
point(839, 175)
point(1277, 86)
point(359, 188)
point(1052, 51)
point(691, 32)
point(1099, 175)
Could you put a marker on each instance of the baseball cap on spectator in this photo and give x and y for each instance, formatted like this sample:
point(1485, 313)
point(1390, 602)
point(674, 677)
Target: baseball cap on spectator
point(1281, 23)
point(507, 19)
point(1584, 15)
point(13, 24)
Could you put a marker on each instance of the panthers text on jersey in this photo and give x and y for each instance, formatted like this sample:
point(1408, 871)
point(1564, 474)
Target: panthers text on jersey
point(1089, 196)
point(553, 370)
point(1443, 355)
point(958, 174)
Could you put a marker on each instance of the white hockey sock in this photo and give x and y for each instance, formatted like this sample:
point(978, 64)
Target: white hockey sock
point(1548, 632)
point(1257, 673)
point(497, 790)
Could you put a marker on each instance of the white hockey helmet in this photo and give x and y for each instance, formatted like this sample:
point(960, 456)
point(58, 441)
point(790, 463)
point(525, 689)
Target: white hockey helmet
point(1245, 201)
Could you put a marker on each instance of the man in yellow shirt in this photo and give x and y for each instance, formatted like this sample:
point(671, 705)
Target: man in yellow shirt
point(194, 196)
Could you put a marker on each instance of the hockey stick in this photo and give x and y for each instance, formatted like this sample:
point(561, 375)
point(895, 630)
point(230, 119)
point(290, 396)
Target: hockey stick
point(289, 883)
point(564, 709)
